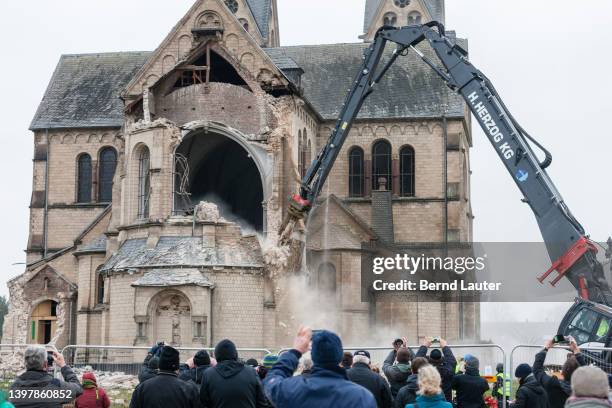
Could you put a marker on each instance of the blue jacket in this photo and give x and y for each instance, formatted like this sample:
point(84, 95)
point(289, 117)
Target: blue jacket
point(323, 388)
point(436, 401)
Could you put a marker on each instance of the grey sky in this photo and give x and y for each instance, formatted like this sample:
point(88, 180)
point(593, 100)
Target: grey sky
point(547, 58)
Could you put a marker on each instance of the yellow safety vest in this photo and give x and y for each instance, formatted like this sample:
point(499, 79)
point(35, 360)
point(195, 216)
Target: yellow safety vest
point(507, 385)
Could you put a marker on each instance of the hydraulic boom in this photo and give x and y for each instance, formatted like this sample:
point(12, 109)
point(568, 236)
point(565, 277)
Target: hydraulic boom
point(572, 253)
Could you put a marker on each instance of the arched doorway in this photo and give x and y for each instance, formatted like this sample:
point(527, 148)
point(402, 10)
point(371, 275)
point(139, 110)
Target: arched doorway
point(215, 168)
point(43, 322)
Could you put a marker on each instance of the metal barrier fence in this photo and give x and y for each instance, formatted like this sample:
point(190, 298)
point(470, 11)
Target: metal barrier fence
point(556, 356)
point(129, 359)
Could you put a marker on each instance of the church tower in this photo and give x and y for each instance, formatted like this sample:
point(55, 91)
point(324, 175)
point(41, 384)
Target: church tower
point(399, 13)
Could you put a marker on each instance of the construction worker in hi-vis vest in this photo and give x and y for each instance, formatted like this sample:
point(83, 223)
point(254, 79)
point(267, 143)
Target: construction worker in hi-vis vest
point(502, 385)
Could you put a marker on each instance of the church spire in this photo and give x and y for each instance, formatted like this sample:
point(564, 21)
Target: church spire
point(399, 13)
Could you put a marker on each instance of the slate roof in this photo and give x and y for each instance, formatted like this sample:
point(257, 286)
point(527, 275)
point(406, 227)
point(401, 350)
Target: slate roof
point(173, 277)
point(98, 244)
point(410, 88)
point(435, 8)
point(84, 90)
point(261, 10)
point(184, 252)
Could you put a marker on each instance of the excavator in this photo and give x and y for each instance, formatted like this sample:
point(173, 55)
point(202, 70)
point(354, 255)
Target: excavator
point(572, 253)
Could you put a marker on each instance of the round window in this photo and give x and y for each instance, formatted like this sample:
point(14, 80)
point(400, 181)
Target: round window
point(401, 3)
point(232, 5)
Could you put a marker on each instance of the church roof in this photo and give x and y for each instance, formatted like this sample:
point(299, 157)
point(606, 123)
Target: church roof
point(435, 8)
point(173, 277)
point(261, 10)
point(84, 90)
point(410, 89)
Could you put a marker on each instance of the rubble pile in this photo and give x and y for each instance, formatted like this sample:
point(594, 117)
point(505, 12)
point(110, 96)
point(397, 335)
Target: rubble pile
point(206, 211)
point(111, 380)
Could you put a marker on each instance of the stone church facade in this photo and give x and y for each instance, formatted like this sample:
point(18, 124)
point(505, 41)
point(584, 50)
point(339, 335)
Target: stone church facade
point(128, 144)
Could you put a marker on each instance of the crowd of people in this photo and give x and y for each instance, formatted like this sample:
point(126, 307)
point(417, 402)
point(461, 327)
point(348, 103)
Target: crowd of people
point(430, 378)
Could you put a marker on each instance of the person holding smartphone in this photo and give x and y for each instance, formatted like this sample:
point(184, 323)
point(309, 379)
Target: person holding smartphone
point(558, 390)
point(37, 388)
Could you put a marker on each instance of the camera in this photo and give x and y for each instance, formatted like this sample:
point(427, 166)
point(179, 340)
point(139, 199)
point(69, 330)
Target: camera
point(398, 342)
point(50, 358)
point(435, 340)
point(559, 338)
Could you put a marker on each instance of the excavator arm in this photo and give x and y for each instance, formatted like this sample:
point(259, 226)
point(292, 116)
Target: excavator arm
point(572, 253)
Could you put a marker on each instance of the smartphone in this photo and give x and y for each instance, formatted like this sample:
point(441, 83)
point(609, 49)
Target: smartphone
point(398, 342)
point(49, 358)
point(559, 338)
point(435, 340)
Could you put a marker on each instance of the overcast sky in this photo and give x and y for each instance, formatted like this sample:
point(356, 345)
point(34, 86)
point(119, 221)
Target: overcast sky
point(548, 59)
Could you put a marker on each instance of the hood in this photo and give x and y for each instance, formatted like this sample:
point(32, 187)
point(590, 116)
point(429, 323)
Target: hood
point(574, 402)
point(435, 400)
point(472, 371)
point(229, 368)
point(33, 379)
point(413, 379)
point(533, 385)
point(404, 368)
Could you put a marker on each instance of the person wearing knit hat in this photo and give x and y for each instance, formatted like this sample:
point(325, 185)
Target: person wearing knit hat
point(93, 396)
point(166, 389)
point(444, 360)
point(269, 360)
point(530, 393)
point(590, 388)
point(326, 386)
point(193, 369)
point(231, 383)
point(470, 386)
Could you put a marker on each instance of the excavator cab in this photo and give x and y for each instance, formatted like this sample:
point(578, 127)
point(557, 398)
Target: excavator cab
point(590, 324)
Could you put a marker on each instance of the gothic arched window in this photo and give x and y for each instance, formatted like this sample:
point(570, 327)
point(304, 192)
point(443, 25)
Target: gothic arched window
point(100, 294)
point(356, 173)
point(401, 3)
point(407, 172)
point(414, 18)
point(108, 163)
point(84, 178)
point(232, 5)
point(381, 164)
point(144, 182)
point(390, 19)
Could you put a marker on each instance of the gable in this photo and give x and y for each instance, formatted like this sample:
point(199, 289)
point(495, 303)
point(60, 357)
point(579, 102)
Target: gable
point(207, 21)
point(433, 9)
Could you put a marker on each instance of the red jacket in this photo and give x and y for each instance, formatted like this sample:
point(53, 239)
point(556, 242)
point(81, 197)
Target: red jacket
point(89, 400)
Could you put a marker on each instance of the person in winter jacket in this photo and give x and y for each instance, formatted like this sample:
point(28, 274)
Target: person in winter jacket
point(360, 373)
point(444, 361)
point(166, 390)
point(193, 369)
point(430, 392)
point(347, 360)
point(93, 396)
point(590, 389)
point(558, 390)
point(150, 364)
point(397, 374)
point(36, 376)
point(530, 393)
point(231, 383)
point(408, 393)
point(470, 386)
point(327, 385)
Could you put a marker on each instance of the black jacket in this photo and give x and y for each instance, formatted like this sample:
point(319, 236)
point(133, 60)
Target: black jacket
point(146, 372)
point(446, 368)
point(396, 374)
point(361, 374)
point(165, 390)
point(232, 384)
point(558, 391)
point(530, 394)
point(408, 393)
point(194, 374)
point(45, 381)
point(470, 387)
